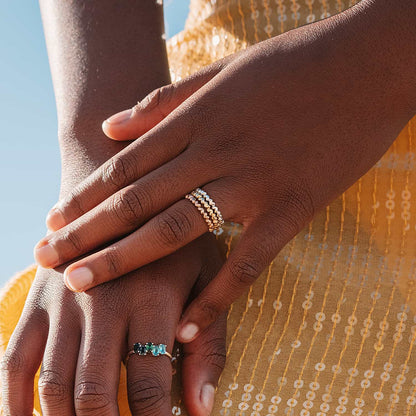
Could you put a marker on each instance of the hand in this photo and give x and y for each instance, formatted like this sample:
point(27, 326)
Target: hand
point(83, 338)
point(272, 134)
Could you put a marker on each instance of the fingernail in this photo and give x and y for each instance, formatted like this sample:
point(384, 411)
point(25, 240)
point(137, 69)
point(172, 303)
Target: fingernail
point(55, 220)
point(207, 397)
point(79, 279)
point(188, 332)
point(46, 255)
point(119, 117)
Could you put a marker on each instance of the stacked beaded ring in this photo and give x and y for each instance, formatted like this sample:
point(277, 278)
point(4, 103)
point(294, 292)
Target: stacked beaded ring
point(206, 206)
point(148, 349)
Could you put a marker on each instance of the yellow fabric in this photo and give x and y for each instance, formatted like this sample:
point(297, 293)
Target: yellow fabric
point(330, 327)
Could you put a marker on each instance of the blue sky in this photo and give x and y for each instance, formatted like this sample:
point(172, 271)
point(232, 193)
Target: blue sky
point(29, 167)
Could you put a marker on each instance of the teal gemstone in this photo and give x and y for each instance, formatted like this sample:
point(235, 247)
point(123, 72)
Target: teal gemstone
point(155, 350)
point(139, 349)
point(162, 349)
point(149, 347)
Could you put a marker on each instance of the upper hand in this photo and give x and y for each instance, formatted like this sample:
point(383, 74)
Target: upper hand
point(81, 338)
point(272, 134)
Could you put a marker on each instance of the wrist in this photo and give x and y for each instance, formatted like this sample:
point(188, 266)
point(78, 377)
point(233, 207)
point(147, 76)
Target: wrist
point(84, 148)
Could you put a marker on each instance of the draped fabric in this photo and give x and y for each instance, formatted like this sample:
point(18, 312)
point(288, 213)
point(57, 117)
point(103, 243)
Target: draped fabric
point(330, 326)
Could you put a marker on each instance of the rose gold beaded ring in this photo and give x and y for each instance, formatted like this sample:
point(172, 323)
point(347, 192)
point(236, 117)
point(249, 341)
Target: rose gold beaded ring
point(206, 206)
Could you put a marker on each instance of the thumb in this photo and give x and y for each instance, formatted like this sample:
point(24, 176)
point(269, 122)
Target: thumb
point(204, 358)
point(202, 365)
point(132, 123)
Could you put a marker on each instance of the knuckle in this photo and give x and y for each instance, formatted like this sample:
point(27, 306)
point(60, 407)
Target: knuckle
point(200, 118)
point(147, 395)
point(51, 386)
point(73, 240)
point(225, 145)
point(130, 206)
point(157, 98)
point(173, 227)
point(244, 271)
point(91, 398)
point(119, 171)
point(151, 101)
point(112, 260)
point(75, 205)
point(208, 309)
point(213, 352)
point(302, 202)
point(295, 207)
point(12, 364)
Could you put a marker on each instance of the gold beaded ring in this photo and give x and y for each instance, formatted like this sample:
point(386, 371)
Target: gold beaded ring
point(197, 204)
point(211, 203)
point(206, 206)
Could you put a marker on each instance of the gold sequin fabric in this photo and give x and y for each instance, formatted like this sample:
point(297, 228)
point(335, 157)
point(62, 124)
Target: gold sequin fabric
point(329, 328)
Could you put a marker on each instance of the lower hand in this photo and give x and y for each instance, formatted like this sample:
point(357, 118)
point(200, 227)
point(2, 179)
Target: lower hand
point(273, 134)
point(81, 338)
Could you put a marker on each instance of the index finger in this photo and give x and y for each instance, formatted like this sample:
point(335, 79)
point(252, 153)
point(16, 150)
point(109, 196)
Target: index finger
point(142, 156)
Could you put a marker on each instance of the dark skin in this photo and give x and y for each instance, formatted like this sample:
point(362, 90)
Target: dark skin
point(95, 49)
point(81, 339)
point(273, 134)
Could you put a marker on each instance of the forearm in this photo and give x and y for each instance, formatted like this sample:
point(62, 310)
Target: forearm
point(389, 29)
point(104, 55)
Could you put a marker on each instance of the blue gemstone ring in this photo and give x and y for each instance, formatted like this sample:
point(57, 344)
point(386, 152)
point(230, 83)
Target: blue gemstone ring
point(148, 349)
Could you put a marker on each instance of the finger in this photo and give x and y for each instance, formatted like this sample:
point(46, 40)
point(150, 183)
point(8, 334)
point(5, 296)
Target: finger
point(202, 365)
point(122, 212)
point(204, 358)
point(257, 247)
point(130, 164)
point(139, 158)
point(21, 362)
point(144, 155)
point(98, 370)
point(132, 123)
point(149, 377)
point(57, 376)
point(162, 235)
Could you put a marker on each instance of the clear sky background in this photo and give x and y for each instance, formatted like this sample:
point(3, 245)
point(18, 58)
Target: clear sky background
point(29, 162)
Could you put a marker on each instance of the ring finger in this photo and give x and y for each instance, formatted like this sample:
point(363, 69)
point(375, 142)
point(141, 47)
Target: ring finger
point(162, 235)
point(98, 370)
point(56, 380)
point(122, 212)
point(149, 377)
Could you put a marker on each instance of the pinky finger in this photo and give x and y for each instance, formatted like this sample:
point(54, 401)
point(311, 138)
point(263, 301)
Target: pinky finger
point(240, 271)
point(20, 364)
